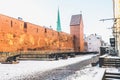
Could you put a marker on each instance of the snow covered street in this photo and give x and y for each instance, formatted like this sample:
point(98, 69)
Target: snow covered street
point(87, 73)
point(27, 68)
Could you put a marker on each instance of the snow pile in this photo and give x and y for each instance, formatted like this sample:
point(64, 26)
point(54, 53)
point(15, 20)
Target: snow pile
point(9, 71)
point(90, 73)
point(114, 57)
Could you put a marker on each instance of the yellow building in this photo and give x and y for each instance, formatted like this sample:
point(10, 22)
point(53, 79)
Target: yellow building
point(116, 28)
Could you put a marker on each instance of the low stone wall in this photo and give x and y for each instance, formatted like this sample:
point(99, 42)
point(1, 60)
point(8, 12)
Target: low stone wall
point(3, 57)
point(7, 55)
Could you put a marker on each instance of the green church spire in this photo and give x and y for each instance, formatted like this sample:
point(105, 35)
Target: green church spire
point(58, 22)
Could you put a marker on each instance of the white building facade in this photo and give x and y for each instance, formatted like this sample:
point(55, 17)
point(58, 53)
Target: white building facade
point(93, 43)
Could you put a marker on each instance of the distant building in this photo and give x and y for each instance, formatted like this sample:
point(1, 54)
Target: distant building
point(116, 29)
point(19, 18)
point(93, 43)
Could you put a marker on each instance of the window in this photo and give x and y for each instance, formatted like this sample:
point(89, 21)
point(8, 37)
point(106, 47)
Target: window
point(98, 38)
point(89, 43)
point(45, 30)
point(25, 25)
point(37, 29)
point(11, 23)
point(58, 34)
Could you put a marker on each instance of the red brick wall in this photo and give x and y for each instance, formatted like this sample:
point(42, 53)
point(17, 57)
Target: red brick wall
point(16, 35)
point(66, 41)
point(9, 30)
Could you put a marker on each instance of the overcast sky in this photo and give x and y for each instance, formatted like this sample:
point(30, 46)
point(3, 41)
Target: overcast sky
point(44, 13)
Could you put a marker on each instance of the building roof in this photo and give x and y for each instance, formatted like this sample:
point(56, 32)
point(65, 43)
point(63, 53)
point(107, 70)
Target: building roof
point(75, 19)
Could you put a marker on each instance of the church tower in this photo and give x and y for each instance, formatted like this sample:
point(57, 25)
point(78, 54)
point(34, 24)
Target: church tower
point(58, 22)
point(76, 30)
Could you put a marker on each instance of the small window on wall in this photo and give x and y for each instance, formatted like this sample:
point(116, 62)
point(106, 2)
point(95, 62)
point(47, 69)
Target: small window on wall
point(58, 33)
point(25, 25)
point(45, 30)
point(11, 24)
point(37, 29)
point(74, 37)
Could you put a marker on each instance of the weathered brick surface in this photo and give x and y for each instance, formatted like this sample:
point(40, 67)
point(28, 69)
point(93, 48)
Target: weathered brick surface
point(17, 35)
point(78, 35)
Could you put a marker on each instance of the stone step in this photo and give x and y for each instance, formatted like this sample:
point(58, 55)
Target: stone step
point(112, 76)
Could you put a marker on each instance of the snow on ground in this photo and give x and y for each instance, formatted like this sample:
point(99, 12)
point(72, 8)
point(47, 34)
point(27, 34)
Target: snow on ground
point(87, 73)
point(113, 70)
point(114, 57)
point(9, 71)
